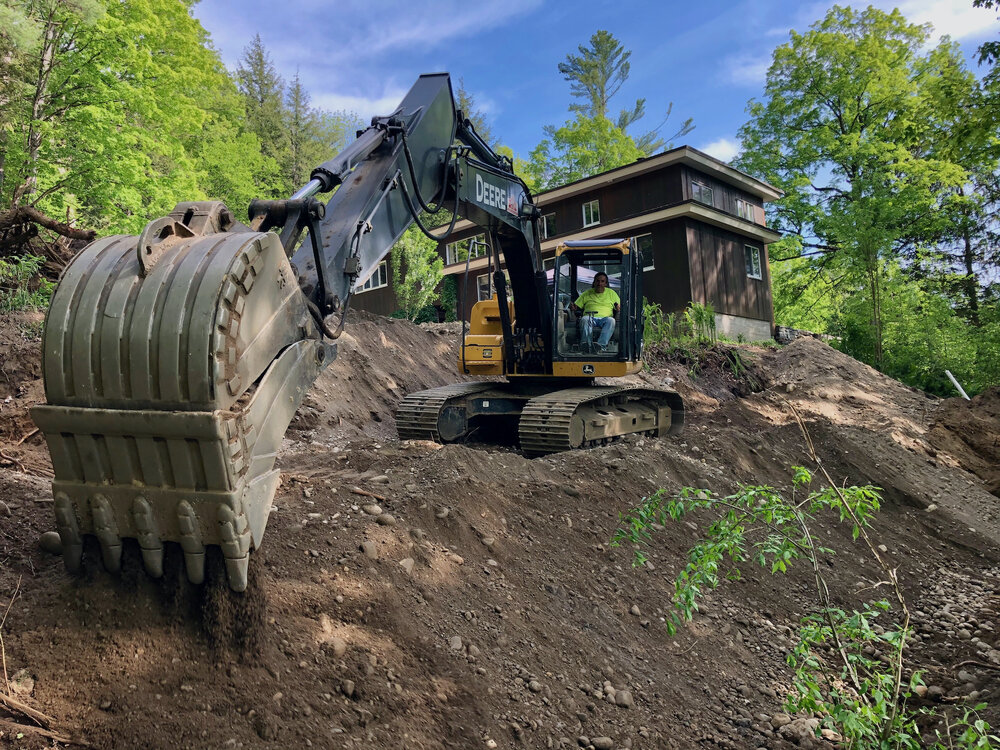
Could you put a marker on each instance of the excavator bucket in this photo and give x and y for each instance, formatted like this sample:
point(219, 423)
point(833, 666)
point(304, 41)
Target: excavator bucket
point(173, 364)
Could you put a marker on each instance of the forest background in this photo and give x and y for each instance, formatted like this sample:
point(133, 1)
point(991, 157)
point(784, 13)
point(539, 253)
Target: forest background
point(887, 149)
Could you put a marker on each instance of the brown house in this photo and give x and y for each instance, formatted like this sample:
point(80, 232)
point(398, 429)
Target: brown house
point(699, 223)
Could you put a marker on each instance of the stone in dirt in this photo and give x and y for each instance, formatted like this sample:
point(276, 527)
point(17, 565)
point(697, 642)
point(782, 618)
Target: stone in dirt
point(22, 683)
point(602, 743)
point(407, 564)
point(50, 542)
point(370, 550)
point(372, 509)
point(386, 519)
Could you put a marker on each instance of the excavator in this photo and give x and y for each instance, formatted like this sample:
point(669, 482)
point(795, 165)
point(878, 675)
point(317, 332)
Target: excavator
point(174, 360)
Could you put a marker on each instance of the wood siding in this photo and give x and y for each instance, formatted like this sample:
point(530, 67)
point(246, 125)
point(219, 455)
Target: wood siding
point(724, 195)
point(381, 301)
point(668, 284)
point(718, 273)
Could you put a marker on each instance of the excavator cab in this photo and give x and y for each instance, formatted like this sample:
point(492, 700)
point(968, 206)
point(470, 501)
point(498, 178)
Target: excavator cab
point(578, 264)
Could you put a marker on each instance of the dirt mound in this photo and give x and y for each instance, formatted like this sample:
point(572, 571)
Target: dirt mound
point(970, 431)
point(419, 596)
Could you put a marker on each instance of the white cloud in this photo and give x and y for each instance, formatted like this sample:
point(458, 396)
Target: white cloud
point(365, 106)
point(956, 19)
point(723, 149)
point(746, 70)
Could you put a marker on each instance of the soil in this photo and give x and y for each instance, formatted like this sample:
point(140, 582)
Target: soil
point(485, 608)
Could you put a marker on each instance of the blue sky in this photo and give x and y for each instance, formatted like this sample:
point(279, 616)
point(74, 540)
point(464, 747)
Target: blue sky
point(708, 57)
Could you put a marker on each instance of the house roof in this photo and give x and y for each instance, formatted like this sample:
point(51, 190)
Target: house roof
point(680, 155)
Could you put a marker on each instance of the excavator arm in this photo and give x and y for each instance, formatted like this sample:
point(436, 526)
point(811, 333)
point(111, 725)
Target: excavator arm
point(175, 360)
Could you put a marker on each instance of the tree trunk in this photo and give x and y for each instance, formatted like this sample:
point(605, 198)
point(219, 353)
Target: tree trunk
point(970, 283)
point(38, 102)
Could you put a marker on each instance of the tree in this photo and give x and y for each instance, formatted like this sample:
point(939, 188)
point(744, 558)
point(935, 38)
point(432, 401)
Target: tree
point(840, 131)
point(597, 74)
point(466, 102)
point(417, 269)
point(582, 147)
point(263, 95)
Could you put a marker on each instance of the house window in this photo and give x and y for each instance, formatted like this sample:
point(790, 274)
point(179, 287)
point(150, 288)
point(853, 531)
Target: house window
point(753, 261)
point(744, 210)
point(591, 213)
point(645, 243)
point(484, 287)
point(702, 193)
point(456, 252)
point(547, 224)
point(378, 279)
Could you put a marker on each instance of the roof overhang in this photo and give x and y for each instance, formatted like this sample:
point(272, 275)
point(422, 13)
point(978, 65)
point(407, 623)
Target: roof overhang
point(628, 227)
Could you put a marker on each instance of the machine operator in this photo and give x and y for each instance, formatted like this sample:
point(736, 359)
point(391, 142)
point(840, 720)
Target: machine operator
point(599, 306)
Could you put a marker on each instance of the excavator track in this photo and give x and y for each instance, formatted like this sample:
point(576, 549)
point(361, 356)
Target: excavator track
point(417, 415)
point(580, 417)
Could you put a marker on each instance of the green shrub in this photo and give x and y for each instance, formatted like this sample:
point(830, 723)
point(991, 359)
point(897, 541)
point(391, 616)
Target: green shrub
point(21, 286)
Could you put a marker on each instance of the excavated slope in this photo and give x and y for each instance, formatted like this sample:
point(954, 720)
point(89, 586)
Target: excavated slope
point(480, 604)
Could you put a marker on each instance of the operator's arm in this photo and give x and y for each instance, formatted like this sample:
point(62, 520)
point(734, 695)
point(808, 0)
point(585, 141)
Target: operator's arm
point(581, 302)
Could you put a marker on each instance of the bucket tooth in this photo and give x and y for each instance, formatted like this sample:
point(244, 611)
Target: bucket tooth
point(69, 532)
point(235, 532)
point(148, 535)
point(106, 531)
point(194, 549)
point(236, 572)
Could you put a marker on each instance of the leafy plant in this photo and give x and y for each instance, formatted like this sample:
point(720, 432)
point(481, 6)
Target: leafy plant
point(701, 321)
point(21, 286)
point(858, 690)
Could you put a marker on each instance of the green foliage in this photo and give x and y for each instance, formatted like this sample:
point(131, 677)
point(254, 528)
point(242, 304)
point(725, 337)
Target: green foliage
point(449, 298)
point(857, 693)
point(700, 320)
point(659, 328)
point(417, 269)
point(580, 148)
point(596, 75)
point(852, 128)
point(17, 277)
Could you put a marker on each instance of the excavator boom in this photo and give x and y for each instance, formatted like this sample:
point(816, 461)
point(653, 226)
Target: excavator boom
point(174, 361)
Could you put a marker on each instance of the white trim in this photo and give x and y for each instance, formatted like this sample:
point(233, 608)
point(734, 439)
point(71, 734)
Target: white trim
point(544, 230)
point(594, 204)
point(380, 274)
point(760, 261)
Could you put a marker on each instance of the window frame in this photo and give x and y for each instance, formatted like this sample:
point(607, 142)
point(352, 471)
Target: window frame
point(545, 228)
point(380, 273)
point(757, 254)
point(594, 204)
point(746, 210)
point(451, 249)
point(701, 191)
point(650, 260)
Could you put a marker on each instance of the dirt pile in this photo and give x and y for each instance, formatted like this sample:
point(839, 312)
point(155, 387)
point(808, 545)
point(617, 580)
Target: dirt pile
point(420, 596)
point(970, 431)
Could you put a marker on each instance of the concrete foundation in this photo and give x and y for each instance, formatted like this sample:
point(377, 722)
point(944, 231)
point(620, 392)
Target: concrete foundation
point(732, 327)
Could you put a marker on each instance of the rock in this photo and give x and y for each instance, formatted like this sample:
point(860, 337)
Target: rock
point(832, 736)
point(489, 541)
point(5, 509)
point(386, 519)
point(22, 683)
point(370, 550)
point(372, 510)
point(635, 610)
point(457, 559)
point(966, 676)
point(535, 686)
point(800, 731)
point(623, 698)
point(571, 490)
point(582, 741)
point(50, 542)
point(455, 643)
point(920, 691)
point(347, 688)
point(780, 720)
point(442, 513)
point(602, 743)
point(380, 479)
point(339, 646)
point(935, 692)
point(407, 565)
point(883, 548)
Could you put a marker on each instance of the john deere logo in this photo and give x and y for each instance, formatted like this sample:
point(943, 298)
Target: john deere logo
point(487, 354)
point(588, 369)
